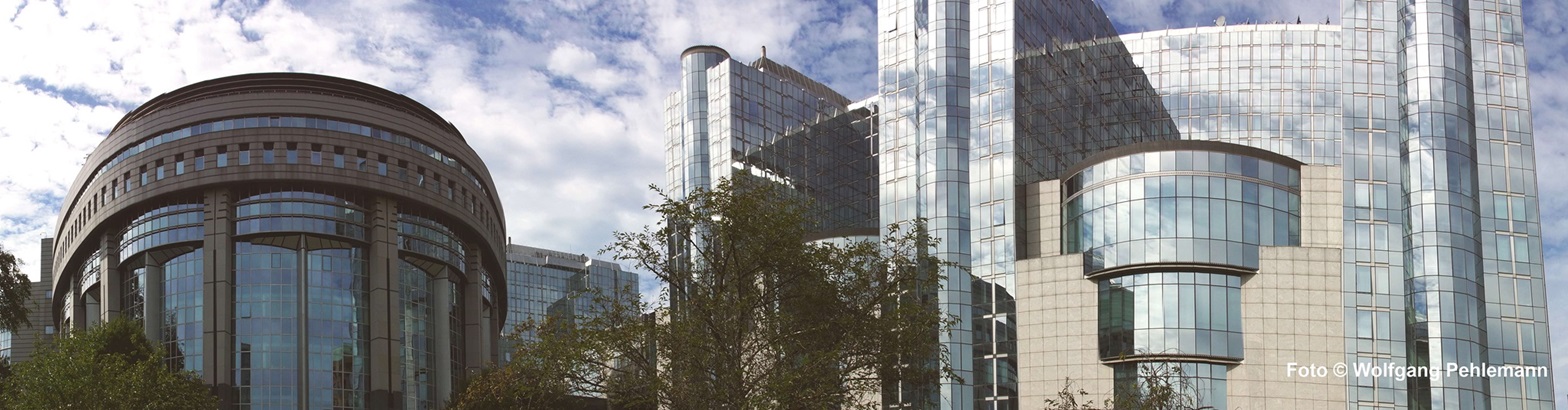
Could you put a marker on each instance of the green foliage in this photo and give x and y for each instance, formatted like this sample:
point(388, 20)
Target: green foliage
point(5, 378)
point(752, 316)
point(110, 366)
point(538, 380)
point(1159, 387)
point(15, 290)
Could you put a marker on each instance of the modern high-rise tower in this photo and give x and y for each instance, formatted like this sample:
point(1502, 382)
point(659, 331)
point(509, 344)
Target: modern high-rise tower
point(1227, 200)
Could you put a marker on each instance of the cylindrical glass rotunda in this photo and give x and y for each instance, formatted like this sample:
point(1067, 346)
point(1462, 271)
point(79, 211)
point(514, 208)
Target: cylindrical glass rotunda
point(297, 240)
point(1169, 231)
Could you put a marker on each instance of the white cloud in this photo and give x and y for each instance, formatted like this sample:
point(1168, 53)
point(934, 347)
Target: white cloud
point(569, 60)
point(571, 162)
point(572, 159)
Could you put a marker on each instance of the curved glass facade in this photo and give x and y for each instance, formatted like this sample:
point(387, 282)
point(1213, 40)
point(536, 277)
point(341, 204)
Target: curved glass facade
point(304, 212)
point(162, 249)
point(91, 269)
point(1181, 206)
point(182, 310)
point(1168, 230)
point(687, 140)
point(1442, 260)
point(1204, 383)
point(162, 226)
point(439, 252)
point(417, 330)
point(338, 316)
point(133, 293)
point(267, 360)
point(1171, 313)
point(253, 223)
point(301, 302)
point(427, 237)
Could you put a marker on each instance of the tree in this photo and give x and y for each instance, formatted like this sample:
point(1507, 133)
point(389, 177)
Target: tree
point(15, 290)
point(5, 377)
point(756, 317)
point(1158, 386)
point(108, 366)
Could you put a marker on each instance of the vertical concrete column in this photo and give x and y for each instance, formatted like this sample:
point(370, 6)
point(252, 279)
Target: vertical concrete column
point(152, 300)
point(385, 368)
point(217, 307)
point(1041, 225)
point(78, 303)
point(109, 278)
point(441, 329)
point(476, 321)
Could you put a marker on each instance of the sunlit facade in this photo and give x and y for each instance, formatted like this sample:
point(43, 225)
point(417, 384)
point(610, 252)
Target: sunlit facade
point(1359, 193)
point(545, 284)
point(296, 240)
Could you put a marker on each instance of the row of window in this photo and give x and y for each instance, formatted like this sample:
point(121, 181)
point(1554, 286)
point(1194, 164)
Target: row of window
point(1182, 218)
point(300, 211)
point(300, 208)
point(269, 153)
point(286, 122)
point(1167, 250)
point(1196, 385)
point(430, 238)
point(160, 223)
point(1193, 161)
point(299, 224)
point(1171, 313)
point(1172, 187)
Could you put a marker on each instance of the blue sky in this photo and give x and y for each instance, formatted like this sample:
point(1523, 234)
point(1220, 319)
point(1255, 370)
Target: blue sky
point(562, 98)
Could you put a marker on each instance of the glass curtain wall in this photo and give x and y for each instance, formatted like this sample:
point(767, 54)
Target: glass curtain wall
point(301, 303)
point(1207, 209)
point(160, 279)
point(430, 252)
point(418, 353)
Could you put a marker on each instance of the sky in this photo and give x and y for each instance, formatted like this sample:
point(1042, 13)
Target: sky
point(563, 99)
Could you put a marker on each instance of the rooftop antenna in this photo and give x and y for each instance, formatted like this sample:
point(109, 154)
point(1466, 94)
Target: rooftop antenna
point(764, 51)
point(1220, 21)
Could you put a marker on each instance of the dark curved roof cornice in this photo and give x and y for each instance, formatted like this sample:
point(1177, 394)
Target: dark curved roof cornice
point(286, 81)
point(1180, 145)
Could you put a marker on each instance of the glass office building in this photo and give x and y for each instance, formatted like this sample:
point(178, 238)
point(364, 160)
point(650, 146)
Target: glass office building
point(545, 284)
point(1383, 166)
point(296, 240)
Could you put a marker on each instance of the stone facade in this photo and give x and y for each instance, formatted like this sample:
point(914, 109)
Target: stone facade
point(1291, 309)
point(296, 239)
